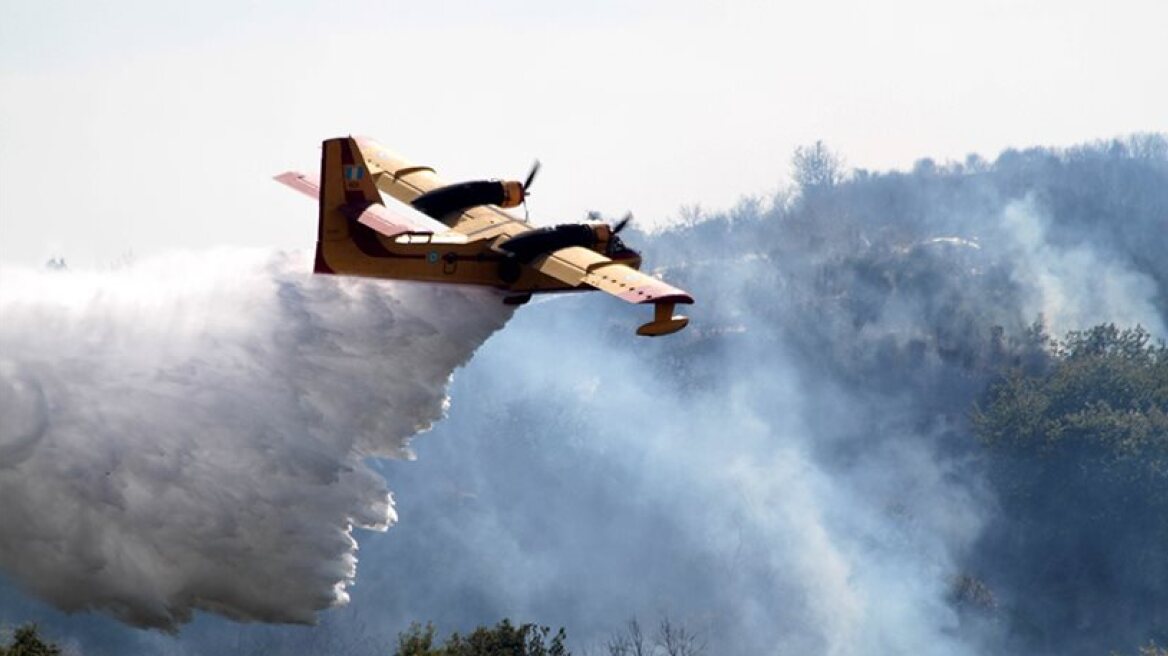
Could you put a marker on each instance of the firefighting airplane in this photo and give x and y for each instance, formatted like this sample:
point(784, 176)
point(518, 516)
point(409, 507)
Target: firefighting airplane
point(456, 233)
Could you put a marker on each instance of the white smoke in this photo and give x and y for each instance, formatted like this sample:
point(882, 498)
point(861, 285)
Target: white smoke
point(1074, 286)
point(189, 432)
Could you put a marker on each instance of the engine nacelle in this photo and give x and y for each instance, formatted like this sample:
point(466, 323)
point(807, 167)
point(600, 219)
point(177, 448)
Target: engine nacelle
point(446, 203)
point(595, 236)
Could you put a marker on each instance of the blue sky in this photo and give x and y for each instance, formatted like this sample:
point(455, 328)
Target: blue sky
point(137, 127)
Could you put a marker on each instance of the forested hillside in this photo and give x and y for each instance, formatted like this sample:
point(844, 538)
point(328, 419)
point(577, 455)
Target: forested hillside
point(1020, 293)
point(915, 412)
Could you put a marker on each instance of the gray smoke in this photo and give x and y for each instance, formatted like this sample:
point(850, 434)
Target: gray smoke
point(792, 474)
point(190, 432)
point(1074, 285)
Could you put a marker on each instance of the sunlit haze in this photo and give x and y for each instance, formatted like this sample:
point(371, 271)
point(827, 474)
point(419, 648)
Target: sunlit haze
point(142, 126)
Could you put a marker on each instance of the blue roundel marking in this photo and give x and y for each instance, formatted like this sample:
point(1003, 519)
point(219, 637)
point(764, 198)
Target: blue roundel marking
point(432, 257)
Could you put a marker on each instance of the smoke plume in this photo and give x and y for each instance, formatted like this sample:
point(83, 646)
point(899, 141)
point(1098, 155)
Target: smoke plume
point(190, 432)
point(795, 473)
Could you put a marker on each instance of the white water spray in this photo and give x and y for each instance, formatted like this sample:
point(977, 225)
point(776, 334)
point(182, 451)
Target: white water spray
point(189, 432)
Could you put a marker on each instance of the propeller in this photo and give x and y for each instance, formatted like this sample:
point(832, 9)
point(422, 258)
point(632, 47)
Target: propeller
point(623, 223)
point(527, 186)
point(615, 244)
point(531, 175)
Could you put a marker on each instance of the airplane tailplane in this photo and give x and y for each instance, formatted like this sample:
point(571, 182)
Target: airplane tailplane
point(346, 189)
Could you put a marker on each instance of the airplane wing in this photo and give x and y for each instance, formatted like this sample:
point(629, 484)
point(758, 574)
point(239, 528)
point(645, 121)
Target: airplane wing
point(405, 181)
point(390, 221)
point(395, 175)
point(579, 266)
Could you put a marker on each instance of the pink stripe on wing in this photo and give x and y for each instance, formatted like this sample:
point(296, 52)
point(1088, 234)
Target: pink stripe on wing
point(652, 290)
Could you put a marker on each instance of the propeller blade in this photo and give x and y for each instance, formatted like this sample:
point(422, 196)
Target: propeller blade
point(531, 176)
point(623, 223)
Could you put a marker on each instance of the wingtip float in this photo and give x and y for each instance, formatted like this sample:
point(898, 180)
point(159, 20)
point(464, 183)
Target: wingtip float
point(427, 230)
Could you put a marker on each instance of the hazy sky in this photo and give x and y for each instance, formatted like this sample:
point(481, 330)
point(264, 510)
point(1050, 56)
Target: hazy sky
point(143, 126)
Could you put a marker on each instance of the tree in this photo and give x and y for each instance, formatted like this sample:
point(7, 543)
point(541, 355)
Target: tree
point(671, 640)
point(1107, 391)
point(631, 642)
point(1078, 458)
point(416, 641)
point(817, 168)
point(676, 640)
point(505, 639)
point(26, 641)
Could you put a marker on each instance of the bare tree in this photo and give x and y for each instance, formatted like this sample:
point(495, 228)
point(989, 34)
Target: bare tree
point(817, 168)
point(677, 640)
point(630, 642)
point(671, 640)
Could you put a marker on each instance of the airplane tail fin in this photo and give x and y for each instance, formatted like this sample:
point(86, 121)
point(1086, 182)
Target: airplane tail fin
point(344, 174)
point(346, 189)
